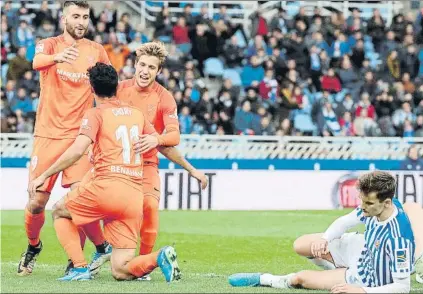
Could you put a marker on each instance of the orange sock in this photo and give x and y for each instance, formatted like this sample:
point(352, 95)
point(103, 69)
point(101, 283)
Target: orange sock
point(143, 264)
point(33, 225)
point(150, 225)
point(67, 233)
point(94, 233)
point(82, 237)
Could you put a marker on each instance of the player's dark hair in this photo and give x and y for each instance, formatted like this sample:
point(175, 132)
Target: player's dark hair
point(380, 182)
point(104, 79)
point(81, 4)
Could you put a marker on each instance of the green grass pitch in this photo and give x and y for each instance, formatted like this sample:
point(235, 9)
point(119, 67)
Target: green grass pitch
point(211, 245)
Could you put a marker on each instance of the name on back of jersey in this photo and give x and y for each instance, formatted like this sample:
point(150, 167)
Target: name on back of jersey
point(122, 111)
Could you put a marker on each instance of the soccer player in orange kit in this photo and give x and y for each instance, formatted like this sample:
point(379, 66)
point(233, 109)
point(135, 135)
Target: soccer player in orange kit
point(159, 107)
point(65, 96)
point(114, 194)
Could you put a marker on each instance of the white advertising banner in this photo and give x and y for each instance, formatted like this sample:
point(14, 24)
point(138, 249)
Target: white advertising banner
point(239, 190)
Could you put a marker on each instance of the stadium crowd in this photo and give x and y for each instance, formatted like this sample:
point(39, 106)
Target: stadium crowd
point(309, 75)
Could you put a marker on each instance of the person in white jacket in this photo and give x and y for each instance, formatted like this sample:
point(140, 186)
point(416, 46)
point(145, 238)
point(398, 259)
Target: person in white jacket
point(380, 261)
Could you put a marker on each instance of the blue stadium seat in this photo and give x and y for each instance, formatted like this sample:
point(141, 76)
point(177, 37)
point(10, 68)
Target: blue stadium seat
point(213, 66)
point(233, 75)
point(292, 8)
point(303, 123)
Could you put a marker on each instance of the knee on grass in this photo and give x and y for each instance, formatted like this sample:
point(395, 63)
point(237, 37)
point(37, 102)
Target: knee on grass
point(120, 274)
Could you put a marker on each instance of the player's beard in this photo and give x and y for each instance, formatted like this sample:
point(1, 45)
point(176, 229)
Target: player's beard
point(72, 31)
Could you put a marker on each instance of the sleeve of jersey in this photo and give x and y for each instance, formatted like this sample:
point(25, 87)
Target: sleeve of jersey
point(90, 125)
point(171, 136)
point(401, 257)
point(341, 225)
point(44, 54)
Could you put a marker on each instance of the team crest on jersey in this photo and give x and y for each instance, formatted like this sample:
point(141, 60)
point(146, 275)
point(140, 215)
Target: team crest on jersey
point(39, 48)
point(34, 162)
point(401, 258)
point(377, 244)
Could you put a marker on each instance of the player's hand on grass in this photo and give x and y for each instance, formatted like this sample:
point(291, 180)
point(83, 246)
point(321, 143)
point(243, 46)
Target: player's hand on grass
point(200, 177)
point(146, 143)
point(319, 248)
point(346, 288)
point(33, 185)
point(69, 55)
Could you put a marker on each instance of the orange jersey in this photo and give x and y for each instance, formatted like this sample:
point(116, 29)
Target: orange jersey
point(113, 127)
point(157, 104)
point(65, 88)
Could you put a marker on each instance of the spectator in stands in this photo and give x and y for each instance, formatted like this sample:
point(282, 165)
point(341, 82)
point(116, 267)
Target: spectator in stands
point(346, 124)
point(22, 102)
point(365, 126)
point(43, 14)
point(410, 62)
point(185, 120)
point(280, 21)
point(24, 35)
point(266, 128)
point(376, 29)
point(180, 36)
point(259, 24)
point(418, 130)
point(28, 82)
point(331, 125)
point(117, 52)
point(330, 82)
point(204, 44)
point(349, 78)
point(252, 72)
point(233, 54)
point(225, 124)
point(18, 65)
point(401, 115)
point(413, 160)
point(244, 119)
point(46, 30)
point(365, 104)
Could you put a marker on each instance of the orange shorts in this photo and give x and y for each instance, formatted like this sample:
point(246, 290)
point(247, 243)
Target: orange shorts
point(45, 152)
point(151, 180)
point(114, 201)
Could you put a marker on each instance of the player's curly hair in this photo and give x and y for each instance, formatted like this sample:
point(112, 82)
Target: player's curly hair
point(154, 48)
point(380, 182)
point(104, 79)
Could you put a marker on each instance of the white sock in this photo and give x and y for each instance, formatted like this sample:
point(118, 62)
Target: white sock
point(322, 263)
point(275, 281)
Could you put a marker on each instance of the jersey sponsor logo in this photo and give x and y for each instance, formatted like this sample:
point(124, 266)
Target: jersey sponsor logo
point(39, 48)
point(75, 77)
point(174, 115)
point(401, 258)
point(34, 162)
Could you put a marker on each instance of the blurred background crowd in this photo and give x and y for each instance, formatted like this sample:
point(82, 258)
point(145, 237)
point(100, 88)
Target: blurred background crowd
point(304, 75)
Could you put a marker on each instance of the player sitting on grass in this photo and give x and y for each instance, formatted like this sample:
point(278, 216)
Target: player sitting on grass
point(114, 194)
point(381, 262)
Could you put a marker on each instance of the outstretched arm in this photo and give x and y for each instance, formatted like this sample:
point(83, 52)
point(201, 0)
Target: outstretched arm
point(175, 156)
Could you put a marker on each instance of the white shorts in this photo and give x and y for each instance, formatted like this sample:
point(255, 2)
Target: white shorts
point(345, 252)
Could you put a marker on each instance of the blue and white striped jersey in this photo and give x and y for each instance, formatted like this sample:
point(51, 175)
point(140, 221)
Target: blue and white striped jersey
point(389, 248)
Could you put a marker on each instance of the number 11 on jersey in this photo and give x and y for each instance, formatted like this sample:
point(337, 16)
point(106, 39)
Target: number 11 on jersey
point(127, 139)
